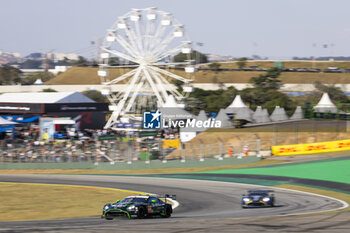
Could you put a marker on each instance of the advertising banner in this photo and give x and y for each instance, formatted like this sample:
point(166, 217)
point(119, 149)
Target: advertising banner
point(171, 143)
point(311, 148)
point(21, 108)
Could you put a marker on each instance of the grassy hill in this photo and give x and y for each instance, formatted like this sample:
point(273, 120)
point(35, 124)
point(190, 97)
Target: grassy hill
point(88, 75)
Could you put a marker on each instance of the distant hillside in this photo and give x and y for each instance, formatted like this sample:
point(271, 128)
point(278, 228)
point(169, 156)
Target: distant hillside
point(293, 64)
point(82, 75)
point(88, 75)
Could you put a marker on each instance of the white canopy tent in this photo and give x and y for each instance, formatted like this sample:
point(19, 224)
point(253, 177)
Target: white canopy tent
point(38, 82)
point(225, 121)
point(261, 116)
point(279, 114)
point(240, 109)
point(201, 117)
point(236, 105)
point(325, 105)
point(298, 114)
point(244, 114)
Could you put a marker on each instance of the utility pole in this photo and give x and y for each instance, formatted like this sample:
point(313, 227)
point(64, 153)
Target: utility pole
point(197, 53)
point(46, 59)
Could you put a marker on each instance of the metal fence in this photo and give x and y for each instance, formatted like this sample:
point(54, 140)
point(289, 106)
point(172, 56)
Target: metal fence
point(252, 143)
point(117, 151)
point(220, 150)
point(66, 151)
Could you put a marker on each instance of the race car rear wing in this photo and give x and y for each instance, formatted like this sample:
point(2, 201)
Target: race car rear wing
point(172, 197)
point(260, 191)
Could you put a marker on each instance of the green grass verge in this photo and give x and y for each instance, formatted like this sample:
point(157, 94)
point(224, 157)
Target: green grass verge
point(337, 171)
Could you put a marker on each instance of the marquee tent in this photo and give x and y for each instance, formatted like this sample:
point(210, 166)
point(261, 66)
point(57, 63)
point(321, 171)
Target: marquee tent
point(325, 105)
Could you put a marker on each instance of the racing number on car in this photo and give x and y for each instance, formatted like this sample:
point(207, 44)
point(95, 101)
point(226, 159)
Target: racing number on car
point(150, 209)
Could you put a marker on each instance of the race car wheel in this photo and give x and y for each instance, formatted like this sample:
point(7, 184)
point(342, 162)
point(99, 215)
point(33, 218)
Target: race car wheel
point(167, 212)
point(141, 213)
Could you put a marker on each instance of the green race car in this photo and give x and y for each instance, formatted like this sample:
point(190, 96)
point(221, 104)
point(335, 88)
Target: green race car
point(140, 206)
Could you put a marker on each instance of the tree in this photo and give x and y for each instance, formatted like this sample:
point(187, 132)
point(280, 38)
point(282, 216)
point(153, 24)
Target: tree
point(66, 61)
point(194, 105)
point(9, 75)
point(214, 66)
point(96, 96)
point(267, 98)
point(241, 62)
point(195, 55)
point(277, 98)
point(81, 61)
point(213, 101)
point(43, 76)
point(269, 80)
point(178, 84)
point(265, 92)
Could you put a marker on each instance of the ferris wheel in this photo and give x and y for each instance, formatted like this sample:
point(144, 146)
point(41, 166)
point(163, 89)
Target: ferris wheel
point(144, 42)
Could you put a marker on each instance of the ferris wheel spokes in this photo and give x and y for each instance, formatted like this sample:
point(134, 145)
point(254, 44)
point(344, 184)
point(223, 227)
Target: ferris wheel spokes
point(153, 86)
point(136, 92)
point(120, 54)
point(147, 37)
point(121, 103)
point(127, 46)
point(159, 56)
point(172, 89)
point(159, 34)
point(124, 76)
point(149, 34)
point(133, 39)
point(158, 79)
point(167, 73)
point(164, 44)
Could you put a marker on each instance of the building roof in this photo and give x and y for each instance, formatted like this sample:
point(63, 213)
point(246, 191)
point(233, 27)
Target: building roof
point(45, 97)
point(6, 122)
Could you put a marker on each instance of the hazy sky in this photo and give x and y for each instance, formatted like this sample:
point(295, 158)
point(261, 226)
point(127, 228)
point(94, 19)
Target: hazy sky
point(274, 28)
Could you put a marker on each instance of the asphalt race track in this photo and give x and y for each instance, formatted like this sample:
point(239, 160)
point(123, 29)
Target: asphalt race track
point(205, 206)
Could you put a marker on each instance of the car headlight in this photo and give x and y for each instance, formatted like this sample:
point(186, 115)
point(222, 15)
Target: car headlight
point(132, 207)
point(246, 199)
point(266, 199)
point(106, 207)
